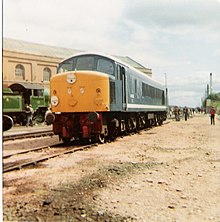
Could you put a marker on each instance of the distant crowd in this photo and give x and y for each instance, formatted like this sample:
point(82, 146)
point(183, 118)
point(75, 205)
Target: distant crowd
point(187, 113)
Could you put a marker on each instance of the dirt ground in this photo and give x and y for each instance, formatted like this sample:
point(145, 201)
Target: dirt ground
point(167, 173)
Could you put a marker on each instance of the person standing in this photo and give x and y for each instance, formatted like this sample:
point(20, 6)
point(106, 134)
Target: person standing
point(32, 115)
point(29, 111)
point(185, 112)
point(177, 113)
point(212, 115)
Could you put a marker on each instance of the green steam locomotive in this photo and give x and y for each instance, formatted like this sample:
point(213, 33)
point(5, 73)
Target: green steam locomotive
point(17, 95)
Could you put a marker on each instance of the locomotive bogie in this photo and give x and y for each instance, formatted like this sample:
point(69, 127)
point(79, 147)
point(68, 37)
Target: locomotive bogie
point(106, 125)
point(80, 126)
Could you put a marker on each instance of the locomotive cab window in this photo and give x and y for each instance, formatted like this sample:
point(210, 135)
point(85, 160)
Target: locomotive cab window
point(105, 66)
point(38, 92)
point(85, 63)
point(88, 62)
point(65, 66)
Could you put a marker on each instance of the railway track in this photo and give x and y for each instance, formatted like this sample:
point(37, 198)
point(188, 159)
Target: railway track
point(27, 135)
point(60, 150)
point(22, 163)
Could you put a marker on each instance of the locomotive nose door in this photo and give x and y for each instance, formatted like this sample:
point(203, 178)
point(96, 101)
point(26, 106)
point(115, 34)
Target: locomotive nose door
point(121, 77)
point(118, 90)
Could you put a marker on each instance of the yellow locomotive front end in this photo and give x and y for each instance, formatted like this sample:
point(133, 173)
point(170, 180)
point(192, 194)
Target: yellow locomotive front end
point(79, 91)
point(78, 100)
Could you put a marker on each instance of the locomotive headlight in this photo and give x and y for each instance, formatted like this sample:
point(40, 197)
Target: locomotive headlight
point(54, 100)
point(71, 78)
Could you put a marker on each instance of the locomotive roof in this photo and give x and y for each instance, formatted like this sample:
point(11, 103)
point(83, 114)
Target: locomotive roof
point(94, 53)
point(117, 59)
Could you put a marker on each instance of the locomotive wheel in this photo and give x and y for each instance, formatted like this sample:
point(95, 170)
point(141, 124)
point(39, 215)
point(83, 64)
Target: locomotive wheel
point(65, 140)
point(83, 140)
point(98, 138)
point(129, 126)
point(113, 136)
point(112, 130)
point(160, 121)
point(39, 118)
point(101, 138)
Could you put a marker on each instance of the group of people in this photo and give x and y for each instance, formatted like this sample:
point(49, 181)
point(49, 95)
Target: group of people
point(186, 113)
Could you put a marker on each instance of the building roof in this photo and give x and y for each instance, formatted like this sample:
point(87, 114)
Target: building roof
point(37, 49)
point(57, 52)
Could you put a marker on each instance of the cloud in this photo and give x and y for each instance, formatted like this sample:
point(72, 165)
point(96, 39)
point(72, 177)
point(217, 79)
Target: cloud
point(180, 38)
point(189, 89)
point(173, 14)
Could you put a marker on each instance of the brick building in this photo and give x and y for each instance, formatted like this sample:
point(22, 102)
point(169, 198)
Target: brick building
point(36, 63)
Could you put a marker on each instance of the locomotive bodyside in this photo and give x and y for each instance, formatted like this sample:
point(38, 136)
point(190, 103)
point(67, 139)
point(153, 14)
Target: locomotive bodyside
point(144, 94)
point(11, 102)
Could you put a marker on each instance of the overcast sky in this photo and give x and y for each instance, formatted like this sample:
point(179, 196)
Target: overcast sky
point(178, 37)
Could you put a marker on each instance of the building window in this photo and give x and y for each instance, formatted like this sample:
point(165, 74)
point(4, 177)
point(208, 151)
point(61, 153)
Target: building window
point(19, 72)
point(46, 74)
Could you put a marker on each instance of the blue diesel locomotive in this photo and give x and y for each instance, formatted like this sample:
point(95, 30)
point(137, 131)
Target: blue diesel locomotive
point(95, 96)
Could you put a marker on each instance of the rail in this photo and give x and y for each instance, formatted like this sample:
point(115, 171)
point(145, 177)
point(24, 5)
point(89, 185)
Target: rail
point(28, 135)
point(41, 159)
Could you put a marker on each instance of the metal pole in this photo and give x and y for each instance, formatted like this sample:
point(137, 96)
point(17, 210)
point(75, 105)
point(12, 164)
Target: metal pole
point(165, 80)
point(166, 100)
point(210, 90)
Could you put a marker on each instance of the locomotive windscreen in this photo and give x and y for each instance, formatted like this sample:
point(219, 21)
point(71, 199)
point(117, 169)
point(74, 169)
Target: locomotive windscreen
point(89, 62)
point(85, 63)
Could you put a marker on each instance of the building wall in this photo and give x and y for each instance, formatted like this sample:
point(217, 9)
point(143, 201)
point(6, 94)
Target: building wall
point(34, 66)
point(34, 58)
